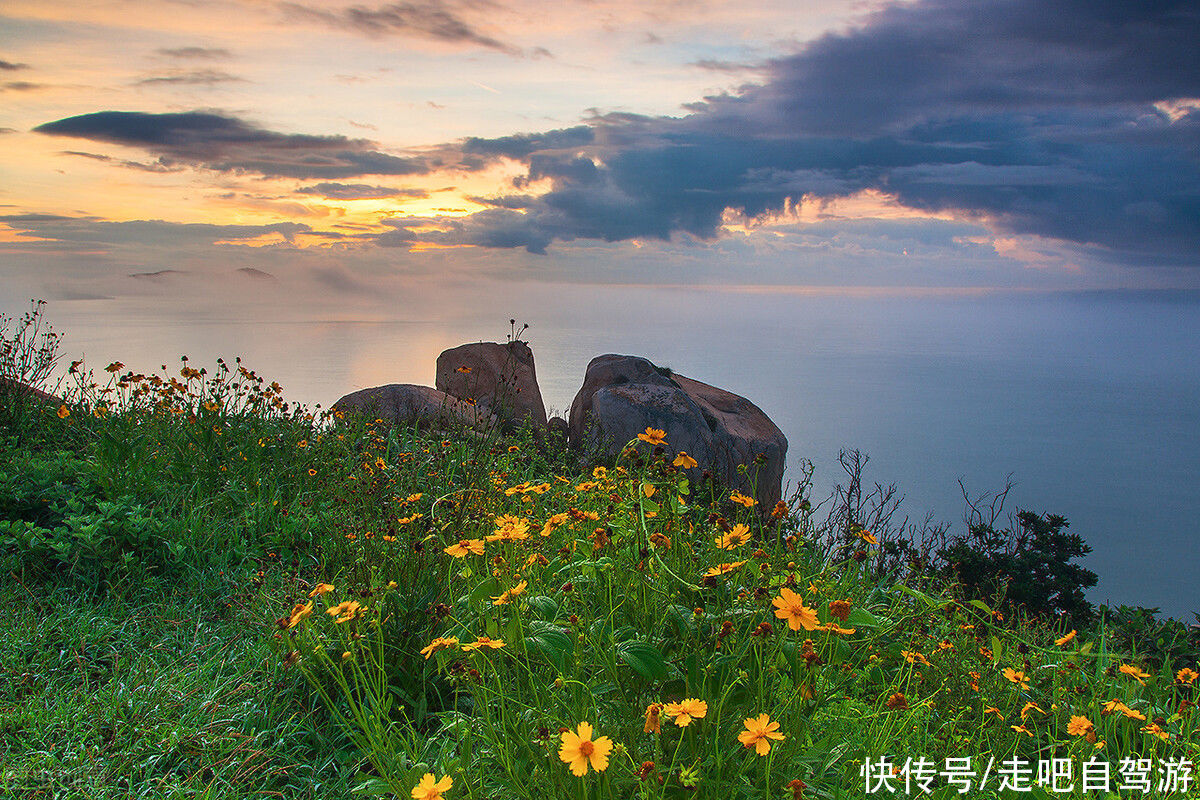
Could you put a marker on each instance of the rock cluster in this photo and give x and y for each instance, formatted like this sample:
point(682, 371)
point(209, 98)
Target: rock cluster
point(487, 384)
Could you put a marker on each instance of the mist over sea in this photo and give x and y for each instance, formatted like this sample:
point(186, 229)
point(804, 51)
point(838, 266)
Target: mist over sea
point(1090, 400)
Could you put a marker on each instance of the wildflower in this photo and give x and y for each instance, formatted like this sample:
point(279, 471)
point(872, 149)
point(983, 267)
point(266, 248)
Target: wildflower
point(1030, 706)
point(797, 786)
point(510, 529)
point(1187, 675)
point(1080, 726)
point(738, 536)
point(723, 569)
point(686, 710)
point(833, 627)
point(300, 612)
point(839, 609)
point(1116, 705)
point(684, 461)
point(1021, 729)
point(579, 750)
point(321, 588)
point(759, 732)
point(897, 702)
point(742, 500)
point(660, 540)
point(115, 366)
point(914, 657)
point(653, 721)
point(1066, 638)
point(427, 789)
point(438, 643)
point(868, 537)
point(63, 411)
point(975, 676)
point(780, 510)
point(994, 710)
point(345, 611)
point(464, 370)
point(1154, 729)
point(944, 645)
point(790, 606)
point(311, 472)
point(1135, 672)
point(536, 558)
point(653, 436)
point(483, 641)
point(1016, 677)
point(646, 769)
point(464, 547)
point(555, 522)
point(509, 594)
point(648, 489)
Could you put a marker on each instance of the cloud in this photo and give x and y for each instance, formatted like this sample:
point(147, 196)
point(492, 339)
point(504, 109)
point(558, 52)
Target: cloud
point(9, 66)
point(228, 144)
point(358, 191)
point(200, 77)
point(255, 274)
point(56, 229)
point(1068, 121)
point(152, 166)
point(427, 19)
point(22, 86)
point(203, 53)
point(157, 274)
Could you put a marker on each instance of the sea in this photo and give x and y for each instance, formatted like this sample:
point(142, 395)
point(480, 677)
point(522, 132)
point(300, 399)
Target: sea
point(1090, 401)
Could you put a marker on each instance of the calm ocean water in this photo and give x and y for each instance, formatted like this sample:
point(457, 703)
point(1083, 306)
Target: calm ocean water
point(1090, 401)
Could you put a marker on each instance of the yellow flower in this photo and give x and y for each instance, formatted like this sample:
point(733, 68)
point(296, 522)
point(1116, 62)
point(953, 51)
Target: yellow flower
point(653, 721)
point(1117, 705)
point(1153, 728)
point(1030, 706)
point(868, 537)
point(484, 641)
point(345, 611)
point(321, 588)
point(790, 606)
point(1016, 677)
point(554, 523)
point(723, 569)
point(742, 500)
point(1021, 729)
point(509, 594)
point(300, 611)
point(994, 710)
point(833, 627)
point(427, 789)
point(1135, 673)
point(1080, 726)
point(579, 751)
point(913, 657)
point(438, 644)
point(735, 538)
point(759, 732)
point(684, 461)
point(1065, 639)
point(510, 528)
point(1187, 675)
point(686, 710)
point(653, 436)
point(63, 412)
point(465, 546)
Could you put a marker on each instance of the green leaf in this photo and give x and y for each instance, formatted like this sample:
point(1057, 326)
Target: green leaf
point(645, 659)
point(544, 607)
point(373, 787)
point(485, 590)
point(982, 606)
point(861, 618)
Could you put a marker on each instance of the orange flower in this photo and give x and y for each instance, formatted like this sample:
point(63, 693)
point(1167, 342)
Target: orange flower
point(464, 547)
point(653, 719)
point(1080, 726)
point(914, 657)
point(653, 436)
point(438, 644)
point(1030, 706)
point(427, 789)
point(686, 710)
point(1016, 677)
point(723, 569)
point(1154, 729)
point(1021, 729)
point(300, 611)
point(345, 611)
point(509, 594)
point(510, 528)
point(684, 461)
point(1135, 672)
point(1187, 675)
point(579, 751)
point(897, 702)
point(63, 412)
point(738, 536)
point(742, 500)
point(839, 609)
point(759, 732)
point(790, 606)
point(321, 588)
point(1066, 638)
point(484, 641)
point(555, 521)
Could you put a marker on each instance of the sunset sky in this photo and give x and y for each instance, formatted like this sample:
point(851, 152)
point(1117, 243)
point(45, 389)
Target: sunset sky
point(337, 150)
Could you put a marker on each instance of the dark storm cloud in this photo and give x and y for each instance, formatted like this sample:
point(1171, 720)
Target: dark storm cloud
point(1046, 119)
point(358, 191)
point(227, 144)
point(203, 53)
point(430, 19)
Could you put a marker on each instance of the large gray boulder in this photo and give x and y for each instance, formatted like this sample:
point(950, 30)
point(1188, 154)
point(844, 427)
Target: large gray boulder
point(498, 378)
point(408, 404)
point(623, 395)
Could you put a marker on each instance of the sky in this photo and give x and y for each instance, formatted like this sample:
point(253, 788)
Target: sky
point(332, 154)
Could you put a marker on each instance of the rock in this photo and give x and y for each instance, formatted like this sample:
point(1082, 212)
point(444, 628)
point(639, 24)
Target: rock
point(12, 388)
point(500, 378)
point(557, 429)
point(623, 395)
point(406, 404)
